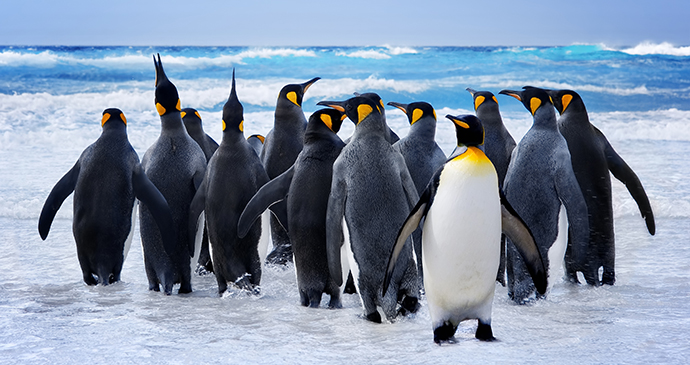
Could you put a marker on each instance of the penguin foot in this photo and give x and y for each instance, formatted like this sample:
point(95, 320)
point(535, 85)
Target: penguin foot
point(90, 280)
point(409, 305)
point(280, 255)
point(484, 332)
point(374, 317)
point(203, 270)
point(445, 333)
point(335, 303)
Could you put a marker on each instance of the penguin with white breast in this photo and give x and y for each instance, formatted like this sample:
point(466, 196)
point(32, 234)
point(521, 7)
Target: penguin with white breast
point(371, 193)
point(306, 187)
point(105, 180)
point(175, 164)
point(542, 188)
point(464, 214)
point(422, 155)
point(233, 176)
point(193, 124)
point(281, 147)
point(498, 146)
point(593, 157)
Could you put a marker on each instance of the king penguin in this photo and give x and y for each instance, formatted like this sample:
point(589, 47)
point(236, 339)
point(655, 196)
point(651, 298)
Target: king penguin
point(281, 147)
point(193, 125)
point(593, 157)
point(465, 214)
point(233, 176)
point(306, 187)
point(498, 145)
point(540, 182)
point(422, 155)
point(175, 164)
point(257, 143)
point(105, 180)
point(371, 193)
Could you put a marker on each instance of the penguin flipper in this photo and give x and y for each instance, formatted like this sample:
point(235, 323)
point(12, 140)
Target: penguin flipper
point(266, 198)
point(147, 193)
point(411, 223)
point(197, 206)
point(334, 225)
point(515, 228)
point(61, 190)
point(627, 176)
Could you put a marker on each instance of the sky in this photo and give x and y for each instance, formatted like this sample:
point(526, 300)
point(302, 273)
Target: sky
point(344, 23)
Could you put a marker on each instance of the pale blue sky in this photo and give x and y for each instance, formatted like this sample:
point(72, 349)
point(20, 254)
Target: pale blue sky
point(345, 23)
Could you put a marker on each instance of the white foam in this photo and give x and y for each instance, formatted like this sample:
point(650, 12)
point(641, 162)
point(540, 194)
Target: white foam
point(365, 53)
point(664, 48)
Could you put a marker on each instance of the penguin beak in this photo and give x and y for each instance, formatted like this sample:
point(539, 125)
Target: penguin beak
point(160, 73)
point(513, 93)
point(307, 84)
point(400, 106)
point(337, 105)
point(471, 91)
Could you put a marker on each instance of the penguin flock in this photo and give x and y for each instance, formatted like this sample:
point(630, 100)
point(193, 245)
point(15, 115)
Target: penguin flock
point(395, 216)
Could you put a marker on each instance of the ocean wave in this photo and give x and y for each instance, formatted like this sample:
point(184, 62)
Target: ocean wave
point(365, 53)
point(664, 48)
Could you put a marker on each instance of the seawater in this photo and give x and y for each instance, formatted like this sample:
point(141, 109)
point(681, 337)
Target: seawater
point(51, 99)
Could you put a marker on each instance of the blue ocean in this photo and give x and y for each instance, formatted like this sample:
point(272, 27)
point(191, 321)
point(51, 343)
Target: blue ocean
point(51, 100)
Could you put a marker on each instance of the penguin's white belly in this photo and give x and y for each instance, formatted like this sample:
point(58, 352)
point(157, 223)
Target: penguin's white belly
point(461, 244)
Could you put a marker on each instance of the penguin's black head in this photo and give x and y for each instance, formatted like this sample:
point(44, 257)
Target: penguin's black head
point(167, 100)
point(468, 130)
point(112, 114)
point(233, 113)
point(562, 99)
point(190, 116)
point(482, 98)
point(332, 118)
point(295, 92)
point(531, 97)
point(373, 96)
point(415, 111)
point(357, 108)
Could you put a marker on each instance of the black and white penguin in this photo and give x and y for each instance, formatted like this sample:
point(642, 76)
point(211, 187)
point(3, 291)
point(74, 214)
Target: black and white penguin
point(541, 186)
point(193, 124)
point(593, 157)
point(233, 176)
point(498, 146)
point(281, 147)
point(306, 187)
point(175, 164)
point(421, 153)
point(464, 214)
point(371, 194)
point(106, 180)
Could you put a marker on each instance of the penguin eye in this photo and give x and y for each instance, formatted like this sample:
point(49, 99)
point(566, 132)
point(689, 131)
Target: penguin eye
point(534, 104)
point(478, 101)
point(416, 115)
point(292, 96)
point(105, 118)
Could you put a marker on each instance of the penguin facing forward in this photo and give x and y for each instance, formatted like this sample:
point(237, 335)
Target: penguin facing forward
point(540, 182)
point(281, 147)
point(372, 193)
point(464, 214)
point(593, 157)
point(421, 153)
point(193, 125)
point(105, 180)
point(306, 187)
point(498, 145)
point(233, 176)
point(175, 164)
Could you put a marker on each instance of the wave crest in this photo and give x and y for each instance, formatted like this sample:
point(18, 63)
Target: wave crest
point(664, 48)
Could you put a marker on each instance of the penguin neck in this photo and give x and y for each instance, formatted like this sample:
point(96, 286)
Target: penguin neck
point(232, 136)
point(576, 113)
point(172, 123)
point(194, 129)
point(289, 115)
point(424, 129)
point(114, 129)
point(317, 131)
point(489, 115)
point(372, 126)
point(545, 118)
